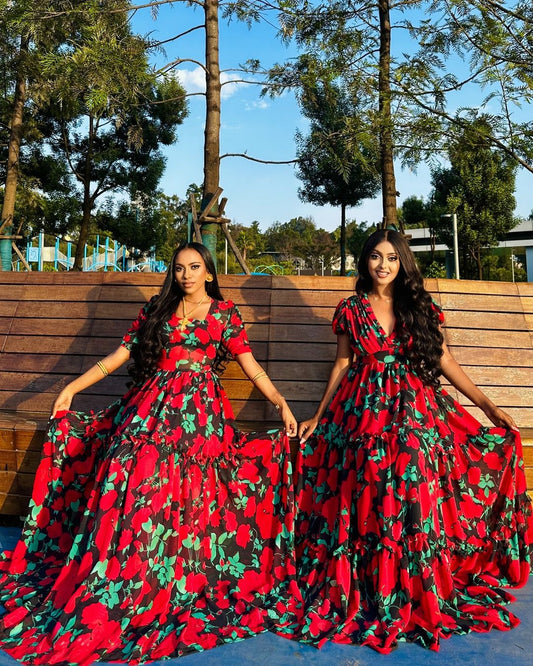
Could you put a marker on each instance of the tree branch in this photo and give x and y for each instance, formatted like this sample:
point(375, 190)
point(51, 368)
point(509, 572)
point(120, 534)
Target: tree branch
point(255, 159)
point(171, 65)
point(257, 83)
point(173, 39)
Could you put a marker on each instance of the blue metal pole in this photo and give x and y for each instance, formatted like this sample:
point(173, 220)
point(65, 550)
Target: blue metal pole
point(41, 248)
point(529, 263)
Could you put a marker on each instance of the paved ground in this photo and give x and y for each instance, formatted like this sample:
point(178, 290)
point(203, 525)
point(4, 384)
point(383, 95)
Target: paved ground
point(513, 648)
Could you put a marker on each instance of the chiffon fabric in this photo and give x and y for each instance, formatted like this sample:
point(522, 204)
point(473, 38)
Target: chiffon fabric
point(411, 515)
point(155, 528)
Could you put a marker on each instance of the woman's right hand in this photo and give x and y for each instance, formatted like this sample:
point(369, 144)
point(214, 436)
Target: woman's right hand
point(62, 402)
point(307, 428)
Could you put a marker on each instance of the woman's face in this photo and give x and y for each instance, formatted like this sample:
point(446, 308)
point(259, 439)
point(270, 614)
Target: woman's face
point(383, 264)
point(190, 272)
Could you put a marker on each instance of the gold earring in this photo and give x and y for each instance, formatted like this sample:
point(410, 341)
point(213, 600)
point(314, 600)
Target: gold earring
point(209, 278)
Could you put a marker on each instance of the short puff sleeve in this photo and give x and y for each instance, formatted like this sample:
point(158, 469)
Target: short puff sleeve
point(339, 323)
point(130, 339)
point(234, 337)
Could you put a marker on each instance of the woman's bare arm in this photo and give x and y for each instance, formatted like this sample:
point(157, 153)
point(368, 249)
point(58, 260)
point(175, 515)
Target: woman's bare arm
point(93, 375)
point(259, 377)
point(462, 382)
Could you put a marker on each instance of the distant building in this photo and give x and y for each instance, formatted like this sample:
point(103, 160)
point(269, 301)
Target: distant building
point(520, 236)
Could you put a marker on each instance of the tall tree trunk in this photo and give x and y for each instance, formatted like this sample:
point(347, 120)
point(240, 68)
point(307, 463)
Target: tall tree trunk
point(343, 239)
point(479, 263)
point(212, 120)
point(388, 179)
point(12, 171)
point(88, 201)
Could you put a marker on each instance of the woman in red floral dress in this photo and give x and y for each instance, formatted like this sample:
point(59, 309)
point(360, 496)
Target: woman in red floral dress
point(411, 515)
point(156, 528)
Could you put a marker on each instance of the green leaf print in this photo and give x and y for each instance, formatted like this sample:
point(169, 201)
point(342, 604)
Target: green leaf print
point(188, 423)
point(147, 526)
point(100, 568)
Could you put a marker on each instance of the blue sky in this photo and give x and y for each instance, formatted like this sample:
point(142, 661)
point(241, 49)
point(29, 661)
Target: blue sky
point(260, 127)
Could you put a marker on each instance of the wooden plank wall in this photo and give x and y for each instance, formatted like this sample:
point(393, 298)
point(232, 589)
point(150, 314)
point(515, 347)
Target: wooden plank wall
point(55, 325)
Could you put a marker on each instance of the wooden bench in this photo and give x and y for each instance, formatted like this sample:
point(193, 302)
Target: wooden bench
point(55, 325)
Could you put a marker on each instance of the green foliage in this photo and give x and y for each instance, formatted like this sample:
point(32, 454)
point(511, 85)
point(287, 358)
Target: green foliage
point(299, 238)
point(334, 168)
point(248, 239)
point(497, 266)
point(136, 227)
point(158, 220)
point(435, 269)
point(414, 213)
point(100, 115)
point(479, 188)
point(102, 68)
point(356, 235)
point(438, 48)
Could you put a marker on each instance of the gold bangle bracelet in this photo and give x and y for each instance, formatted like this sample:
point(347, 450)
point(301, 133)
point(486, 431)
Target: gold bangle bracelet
point(102, 367)
point(259, 375)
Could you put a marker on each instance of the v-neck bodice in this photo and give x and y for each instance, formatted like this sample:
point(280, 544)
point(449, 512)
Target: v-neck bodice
point(356, 318)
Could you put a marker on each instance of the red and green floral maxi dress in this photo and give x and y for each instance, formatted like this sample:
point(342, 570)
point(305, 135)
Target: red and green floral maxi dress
point(411, 514)
point(155, 528)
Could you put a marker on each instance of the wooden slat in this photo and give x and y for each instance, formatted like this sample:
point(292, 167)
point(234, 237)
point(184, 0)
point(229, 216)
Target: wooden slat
point(125, 311)
point(525, 288)
point(301, 333)
point(489, 339)
point(43, 363)
point(42, 328)
point(54, 292)
point(480, 303)
point(302, 283)
point(42, 402)
point(279, 351)
point(476, 287)
point(59, 344)
point(521, 415)
point(297, 314)
point(482, 356)
point(252, 282)
point(528, 455)
point(13, 505)
point(13, 382)
point(318, 370)
point(499, 376)
point(16, 483)
point(506, 396)
point(311, 298)
point(8, 308)
point(490, 321)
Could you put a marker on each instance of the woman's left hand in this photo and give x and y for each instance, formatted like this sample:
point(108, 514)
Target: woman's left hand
point(500, 418)
point(290, 423)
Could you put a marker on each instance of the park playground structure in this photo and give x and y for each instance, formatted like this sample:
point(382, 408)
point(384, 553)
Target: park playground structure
point(105, 255)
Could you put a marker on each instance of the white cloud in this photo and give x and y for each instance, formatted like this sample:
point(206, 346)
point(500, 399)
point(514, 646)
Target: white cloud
point(193, 80)
point(256, 104)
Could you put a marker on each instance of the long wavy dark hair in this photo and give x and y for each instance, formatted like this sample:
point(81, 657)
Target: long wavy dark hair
point(415, 315)
point(146, 353)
